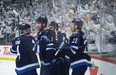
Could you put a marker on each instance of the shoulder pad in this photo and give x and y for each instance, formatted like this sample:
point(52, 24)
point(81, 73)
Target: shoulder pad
point(17, 42)
point(75, 34)
point(48, 32)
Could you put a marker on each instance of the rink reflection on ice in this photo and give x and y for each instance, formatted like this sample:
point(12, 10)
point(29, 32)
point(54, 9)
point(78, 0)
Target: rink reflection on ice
point(7, 67)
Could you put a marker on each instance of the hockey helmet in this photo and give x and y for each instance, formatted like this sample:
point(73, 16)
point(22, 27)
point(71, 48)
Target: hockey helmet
point(53, 23)
point(42, 19)
point(77, 21)
point(24, 26)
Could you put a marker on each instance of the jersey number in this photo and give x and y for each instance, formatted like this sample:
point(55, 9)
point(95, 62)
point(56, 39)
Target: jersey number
point(74, 40)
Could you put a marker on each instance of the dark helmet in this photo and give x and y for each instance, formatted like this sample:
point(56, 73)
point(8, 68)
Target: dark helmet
point(53, 23)
point(24, 26)
point(78, 21)
point(42, 20)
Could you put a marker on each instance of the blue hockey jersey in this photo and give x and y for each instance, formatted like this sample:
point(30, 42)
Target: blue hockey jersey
point(26, 59)
point(46, 46)
point(76, 51)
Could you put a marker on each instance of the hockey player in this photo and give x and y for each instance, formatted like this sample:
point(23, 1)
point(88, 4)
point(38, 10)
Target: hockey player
point(79, 61)
point(26, 61)
point(61, 66)
point(46, 39)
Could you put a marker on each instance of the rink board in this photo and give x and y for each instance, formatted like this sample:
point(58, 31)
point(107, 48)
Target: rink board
point(103, 66)
point(5, 53)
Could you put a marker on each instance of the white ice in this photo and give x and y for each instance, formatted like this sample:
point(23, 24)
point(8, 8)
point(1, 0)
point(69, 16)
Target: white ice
point(7, 67)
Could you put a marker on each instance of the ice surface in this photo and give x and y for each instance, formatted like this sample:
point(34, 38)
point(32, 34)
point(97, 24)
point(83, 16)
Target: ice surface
point(7, 67)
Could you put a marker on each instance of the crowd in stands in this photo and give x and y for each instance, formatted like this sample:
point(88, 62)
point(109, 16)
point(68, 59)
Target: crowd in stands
point(12, 16)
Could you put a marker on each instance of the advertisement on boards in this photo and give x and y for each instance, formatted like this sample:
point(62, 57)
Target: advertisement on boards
point(5, 50)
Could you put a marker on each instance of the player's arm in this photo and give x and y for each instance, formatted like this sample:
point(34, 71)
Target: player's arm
point(15, 43)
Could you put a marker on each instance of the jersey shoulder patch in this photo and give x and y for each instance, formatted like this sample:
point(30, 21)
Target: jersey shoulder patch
point(17, 42)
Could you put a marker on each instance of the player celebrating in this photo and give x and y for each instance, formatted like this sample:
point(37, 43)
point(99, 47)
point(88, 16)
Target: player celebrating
point(79, 61)
point(46, 38)
point(26, 61)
